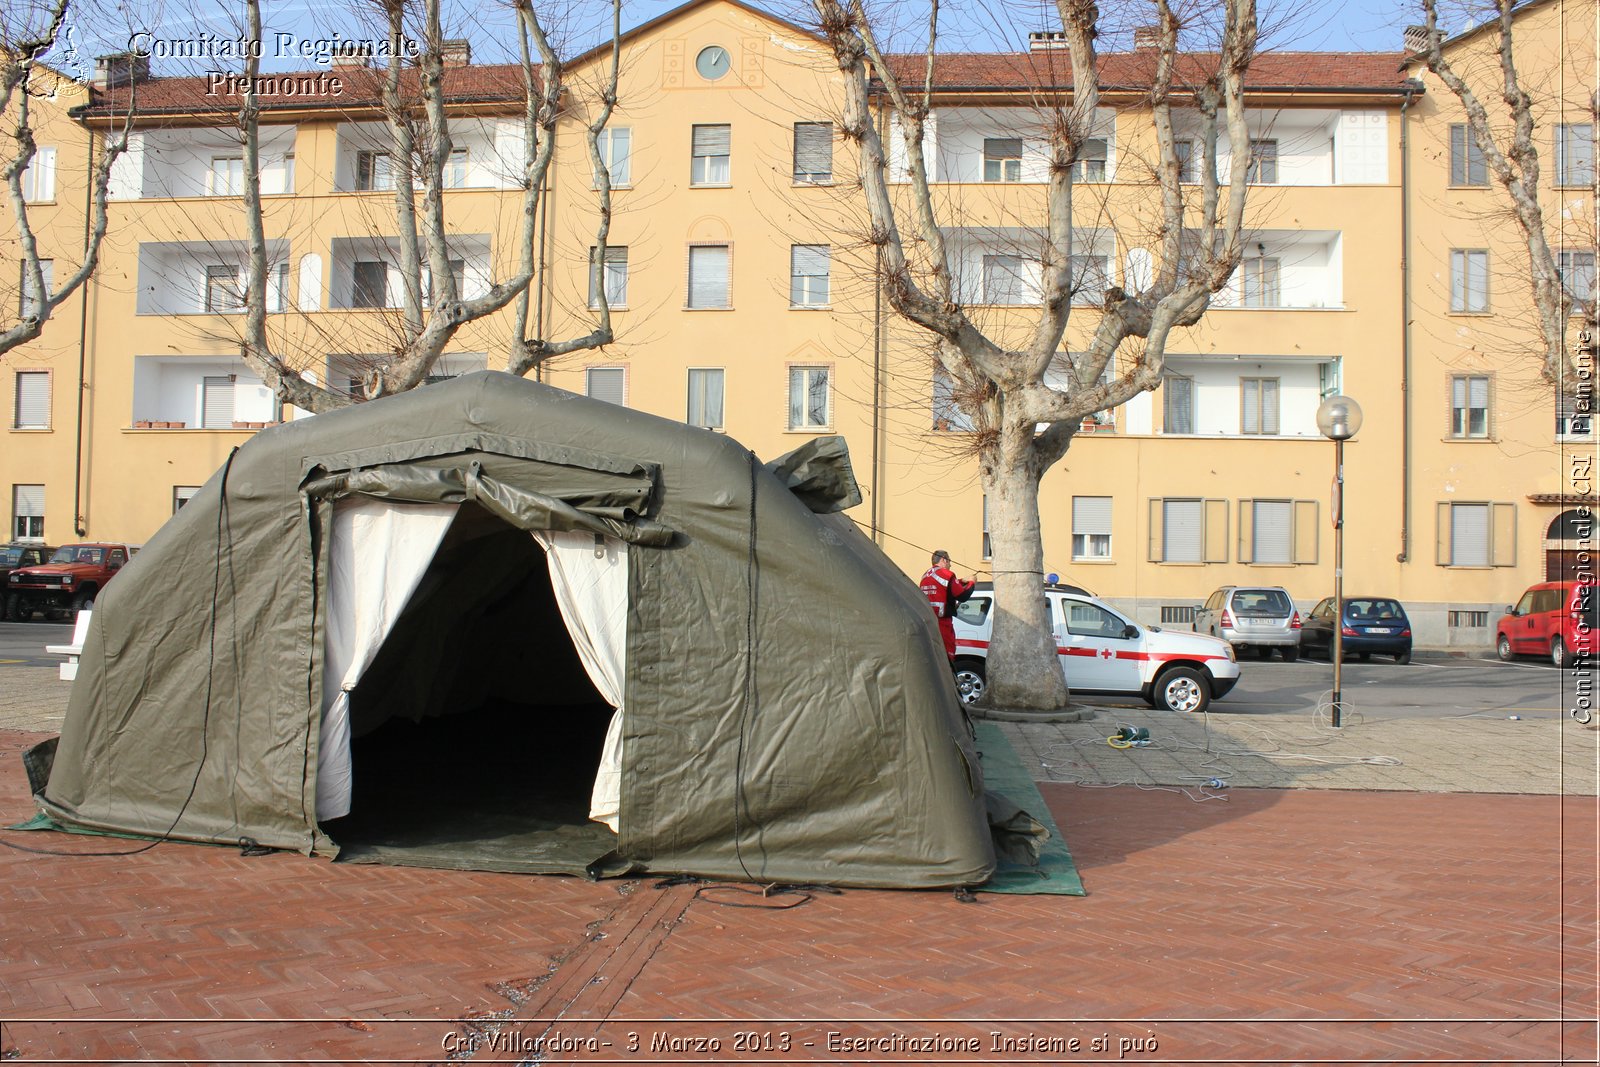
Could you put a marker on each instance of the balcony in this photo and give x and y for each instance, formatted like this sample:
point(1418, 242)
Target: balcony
point(1005, 146)
point(485, 154)
point(160, 164)
point(1002, 266)
point(199, 392)
point(1236, 396)
point(1287, 269)
point(206, 277)
point(366, 271)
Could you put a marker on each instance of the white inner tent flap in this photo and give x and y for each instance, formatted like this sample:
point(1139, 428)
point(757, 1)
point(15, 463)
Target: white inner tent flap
point(589, 573)
point(377, 553)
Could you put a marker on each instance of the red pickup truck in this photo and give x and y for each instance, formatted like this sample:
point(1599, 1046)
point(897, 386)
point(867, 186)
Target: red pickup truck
point(70, 581)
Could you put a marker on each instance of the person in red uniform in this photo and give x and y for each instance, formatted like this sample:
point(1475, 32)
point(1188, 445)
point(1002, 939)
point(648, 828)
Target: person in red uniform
point(944, 591)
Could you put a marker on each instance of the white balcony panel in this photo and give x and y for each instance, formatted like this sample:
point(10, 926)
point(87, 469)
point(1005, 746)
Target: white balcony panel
point(184, 162)
point(173, 389)
point(172, 275)
point(1217, 391)
point(958, 154)
point(1308, 271)
point(471, 249)
point(488, 154)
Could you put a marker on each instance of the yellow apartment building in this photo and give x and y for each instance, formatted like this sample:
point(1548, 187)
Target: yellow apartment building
point(744, 301)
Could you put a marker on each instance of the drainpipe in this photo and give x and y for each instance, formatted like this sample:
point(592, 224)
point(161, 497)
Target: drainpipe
point(1412, 88)
point(79, 522)
point(878, 343)
point(541, 206)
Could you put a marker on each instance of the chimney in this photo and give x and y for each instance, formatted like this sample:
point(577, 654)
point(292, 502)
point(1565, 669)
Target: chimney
point(456, 52)
point(1047, 41)
point(1146, 38)
point(349, 55)
point(123, 68)
point(1416, 39)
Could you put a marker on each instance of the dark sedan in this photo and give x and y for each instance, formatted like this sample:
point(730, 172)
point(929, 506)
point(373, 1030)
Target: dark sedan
point(1371, 624)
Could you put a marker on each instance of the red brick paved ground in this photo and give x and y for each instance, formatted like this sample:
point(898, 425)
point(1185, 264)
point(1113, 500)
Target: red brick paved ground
point(1310, 906)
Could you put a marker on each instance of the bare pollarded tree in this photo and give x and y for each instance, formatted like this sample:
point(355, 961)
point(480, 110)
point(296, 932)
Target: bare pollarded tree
point(433, 309)
point(1506, 141)
point(1196, 247)
point(28, 34)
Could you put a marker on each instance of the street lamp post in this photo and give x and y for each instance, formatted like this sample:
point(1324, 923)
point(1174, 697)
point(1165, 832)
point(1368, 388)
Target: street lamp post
point(1338, 418)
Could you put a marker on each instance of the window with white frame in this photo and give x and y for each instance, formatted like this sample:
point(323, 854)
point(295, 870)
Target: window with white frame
point(615, 275)
point(712, 147)
point(1090, 277)
point(810, 399)
point(1574, 154)
point(1002, 159)
point(1090, 166)
point(32, 408)
point(1177, 404)
point(1263, 169)
point(705, 397)
point(39, 180)
point(808, 275)
point(1476, 534)
point(1577, 272)
point(1258, 405)
point(616, 152)
point(1260, 278)
point(1005, 280)
point(181, 495)
point(1466, 158)
point(227, 176)
point(606, 383)
point(1091, 527)
point(224, 293)
point(28, 295)
point(27, 513)
point(813, 152)
point(708, 276)
point(1469, 280)
point(374, 171)
point(1469, 405)
point(1188, 161)
point(455, 169)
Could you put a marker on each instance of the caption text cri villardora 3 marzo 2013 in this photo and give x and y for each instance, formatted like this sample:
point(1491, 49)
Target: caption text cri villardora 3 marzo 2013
point(741, 1042)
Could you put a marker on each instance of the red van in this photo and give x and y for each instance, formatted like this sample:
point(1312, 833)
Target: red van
point(1555, 619)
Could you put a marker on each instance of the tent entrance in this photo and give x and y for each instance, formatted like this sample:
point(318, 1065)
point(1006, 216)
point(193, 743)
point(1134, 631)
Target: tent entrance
point(476, 732)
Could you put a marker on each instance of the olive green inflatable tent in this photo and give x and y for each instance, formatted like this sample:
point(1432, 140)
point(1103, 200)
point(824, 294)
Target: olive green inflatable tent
point(491, 624)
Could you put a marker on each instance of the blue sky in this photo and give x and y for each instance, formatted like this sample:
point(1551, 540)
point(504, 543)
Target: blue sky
point(978, 25)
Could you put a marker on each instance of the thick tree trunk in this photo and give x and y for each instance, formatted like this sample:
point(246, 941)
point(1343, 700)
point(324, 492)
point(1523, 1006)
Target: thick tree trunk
point(1023, 670)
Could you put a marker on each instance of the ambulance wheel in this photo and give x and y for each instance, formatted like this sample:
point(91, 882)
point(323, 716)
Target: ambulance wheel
point(1182, 689)
point(970, 679)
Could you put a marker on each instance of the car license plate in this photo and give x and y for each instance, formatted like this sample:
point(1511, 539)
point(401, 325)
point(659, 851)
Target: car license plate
point(1377, 629)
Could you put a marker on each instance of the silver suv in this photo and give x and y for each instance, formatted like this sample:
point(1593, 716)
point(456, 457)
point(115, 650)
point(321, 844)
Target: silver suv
point(1262, 617)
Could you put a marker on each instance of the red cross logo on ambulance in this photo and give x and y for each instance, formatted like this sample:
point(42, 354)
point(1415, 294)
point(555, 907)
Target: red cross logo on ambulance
point(1106, 653)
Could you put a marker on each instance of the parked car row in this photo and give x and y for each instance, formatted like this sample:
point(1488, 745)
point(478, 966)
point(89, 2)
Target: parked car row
point(69, 578)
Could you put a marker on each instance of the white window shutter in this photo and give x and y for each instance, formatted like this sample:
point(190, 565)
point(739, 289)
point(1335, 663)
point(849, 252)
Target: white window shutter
point(1091, 515)
point(1183, 523)
point(33, 400)
point(607, 383)
point(1469, 535)
point(708, 276)
point(1273, 531)
point(217, 402)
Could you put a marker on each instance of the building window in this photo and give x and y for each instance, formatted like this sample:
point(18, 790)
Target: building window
point(1091, 527)
point(1261, 280)
point(32, 408)
point(29, 299)
point(813, 152)
point(606, 383)
point(455, 169)
point(27, 513)
point(705, 397)
point(1575, 413)
point(1469, 280)
point(1281, 532)
point(708, 276)
point(227, 176)
point(948, 415)
point(1182, 530)
point(1002, 159)
point(808, 275)
point(615, 273)
point(216, 402)
point(1476, 534)
point(1574, 154)
point(374, 171)
point(1177, 404)
point(616, 152)
point(371, 284)
point(223, 291)
point(39, 180)
point(712, 146)
point(1090, 166)
point(1577, 274)
point(1090, 277)
point(1004, 280)
point(1466, 158)
point(1187, 158)
point(1468, 619)
point(988, 543)
point(1469, 405)
point(810, 403)
point(181, 495)
point(1258, 405)
point(1263, 162)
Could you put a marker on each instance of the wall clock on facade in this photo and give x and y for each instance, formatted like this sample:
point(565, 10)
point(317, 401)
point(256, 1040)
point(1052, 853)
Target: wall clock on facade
point(712, 62)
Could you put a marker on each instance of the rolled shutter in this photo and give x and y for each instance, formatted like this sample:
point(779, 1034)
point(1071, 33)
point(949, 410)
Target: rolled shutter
point(1091, 515)
point(33, 400)
point(813, 151)
point(1306, 531)
point(1246, 531)
point(1269, 405)
point(217, 402)
point(29, 501)
point(1183, 540)
point(1215, 527)
point(1273, 536)
point(607, 383)
point(708, 276)
point(1503, 535)
point(712, 140)
point(1153, 548)
point(1469, 535)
